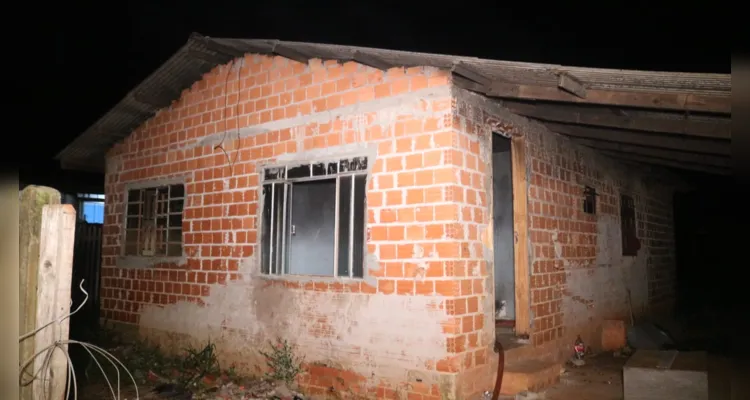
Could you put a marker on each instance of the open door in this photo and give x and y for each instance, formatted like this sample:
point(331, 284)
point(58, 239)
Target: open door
point(510, 235)
point(502, 221)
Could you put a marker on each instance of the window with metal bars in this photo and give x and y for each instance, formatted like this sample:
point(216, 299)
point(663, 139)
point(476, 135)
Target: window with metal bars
point(313, 218)
point(630, 242)
point(153, 221)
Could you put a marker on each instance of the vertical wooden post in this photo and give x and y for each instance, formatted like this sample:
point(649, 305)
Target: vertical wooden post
point(521, 246)
point(55, 273)
point(32, 202)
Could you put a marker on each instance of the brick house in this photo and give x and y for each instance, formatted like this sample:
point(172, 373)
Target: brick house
point(381, 209)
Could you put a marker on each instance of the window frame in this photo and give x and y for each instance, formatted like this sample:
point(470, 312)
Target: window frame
point(363, 170)
point(138, 260)
point(590, 200)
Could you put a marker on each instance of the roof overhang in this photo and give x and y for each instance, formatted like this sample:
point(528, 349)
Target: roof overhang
point(675, 120)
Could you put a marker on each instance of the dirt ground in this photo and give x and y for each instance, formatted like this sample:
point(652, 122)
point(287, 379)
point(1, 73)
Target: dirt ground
point(599, 379)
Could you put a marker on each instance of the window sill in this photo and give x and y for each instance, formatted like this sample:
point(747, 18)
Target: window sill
point(139, 262)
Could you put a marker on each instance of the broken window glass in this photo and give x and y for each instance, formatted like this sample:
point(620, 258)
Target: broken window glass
point(316, 226)
point(153, 221)
point(274, 173)
point(300, 171)
point(319, 169)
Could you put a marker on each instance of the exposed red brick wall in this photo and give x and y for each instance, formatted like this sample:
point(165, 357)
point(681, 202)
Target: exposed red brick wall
point(424, 212)
point(475, 138)
point(428, 217)
point(578, 274)
point(567, 242)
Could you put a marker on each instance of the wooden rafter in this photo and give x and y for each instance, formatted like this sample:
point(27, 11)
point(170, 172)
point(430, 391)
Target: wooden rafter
point(371, 61)
point(638, 99)
point(692, 158)
point(571, 84)
point(692, 145)
point(583, 115)
point(291, 53)
point(667, 163)
point(467, 71)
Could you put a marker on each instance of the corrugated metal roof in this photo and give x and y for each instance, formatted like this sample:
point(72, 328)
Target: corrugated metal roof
point(200, 54)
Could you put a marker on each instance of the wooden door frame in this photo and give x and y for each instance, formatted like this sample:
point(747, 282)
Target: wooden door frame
point(519, 179)
point(519, 187)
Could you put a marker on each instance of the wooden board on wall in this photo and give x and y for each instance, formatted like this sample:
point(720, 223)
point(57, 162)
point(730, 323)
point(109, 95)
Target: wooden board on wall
point(521, 232)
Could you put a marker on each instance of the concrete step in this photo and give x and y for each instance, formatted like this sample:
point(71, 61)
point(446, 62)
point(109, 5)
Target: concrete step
point(530, 374)
point(516, 349)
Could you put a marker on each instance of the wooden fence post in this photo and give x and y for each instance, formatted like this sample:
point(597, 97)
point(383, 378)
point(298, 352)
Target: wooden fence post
point(32, 202)
point(55, 273)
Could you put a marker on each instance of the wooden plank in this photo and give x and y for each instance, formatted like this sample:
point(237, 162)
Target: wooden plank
point(521, 247)
point(667, 101)
point(55, 270)
point(32, 203)
point(471, 73)
point(371, 61)
point(581, 115)
point(220, 48)
point(690, 158)
point(467, 84)
point(291, 53)
point(209, 56)
point(667, 163)
point(571, 84)
point(692, 145)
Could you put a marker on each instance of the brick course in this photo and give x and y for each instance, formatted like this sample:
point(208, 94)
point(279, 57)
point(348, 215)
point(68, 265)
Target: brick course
point(420, 323)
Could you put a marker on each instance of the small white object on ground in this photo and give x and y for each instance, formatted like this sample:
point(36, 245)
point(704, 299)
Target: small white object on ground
point(526, 395)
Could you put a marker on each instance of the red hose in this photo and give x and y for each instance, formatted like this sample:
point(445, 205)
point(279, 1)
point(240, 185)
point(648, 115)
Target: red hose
point(500, 369)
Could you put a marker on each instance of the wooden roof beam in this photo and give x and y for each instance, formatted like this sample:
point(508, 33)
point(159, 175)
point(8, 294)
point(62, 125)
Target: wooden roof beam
point(371, 61)
point(291, 53)
point(667, 163)
point(471, 73)
point(583, 116)
point(691, 145)
point(692, 158)
point(217, 47)
point(571, 84)
point(638, 99)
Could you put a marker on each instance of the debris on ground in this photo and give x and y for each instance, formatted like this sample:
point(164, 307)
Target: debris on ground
point(527, 395)
point(192, 374)
point(625, 352)
point(649, 336)
point(260, 389)
point(577, 362)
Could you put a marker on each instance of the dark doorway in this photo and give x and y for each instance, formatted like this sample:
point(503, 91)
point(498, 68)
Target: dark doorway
point(502, 210)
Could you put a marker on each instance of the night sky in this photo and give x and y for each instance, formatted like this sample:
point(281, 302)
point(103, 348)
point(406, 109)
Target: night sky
point(101, 51)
